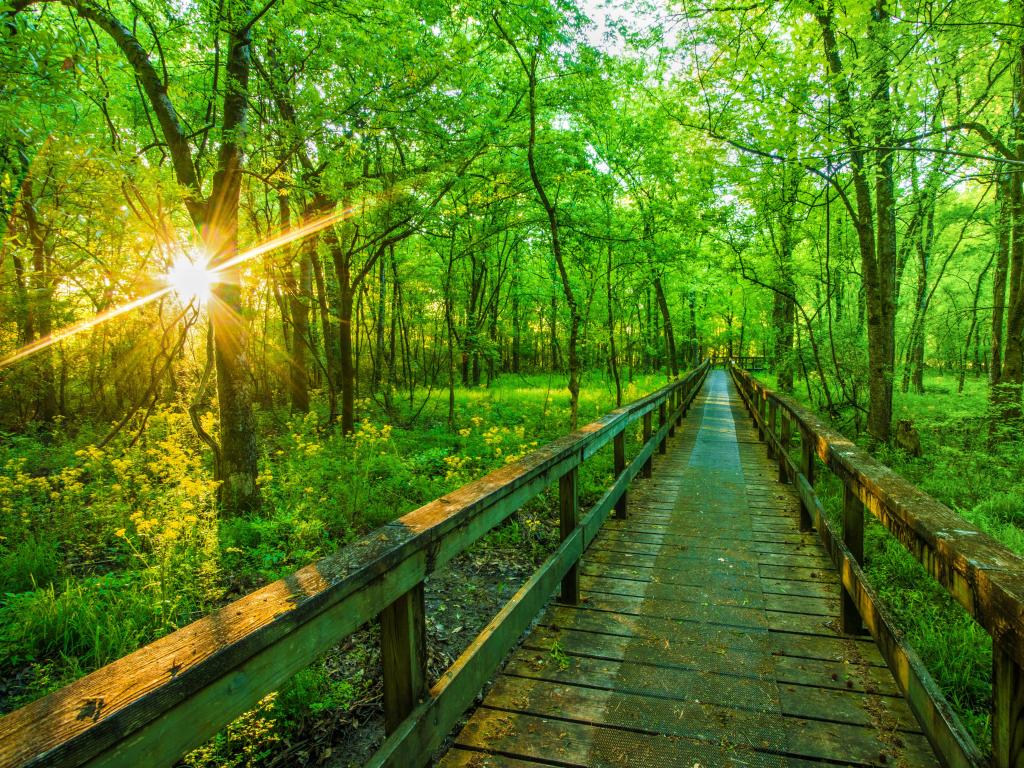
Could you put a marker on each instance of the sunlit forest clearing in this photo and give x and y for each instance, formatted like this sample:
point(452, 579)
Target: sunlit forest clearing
point(275, 274)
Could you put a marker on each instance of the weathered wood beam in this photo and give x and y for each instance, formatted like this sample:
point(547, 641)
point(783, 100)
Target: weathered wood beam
point(620, 465)
point(403, 651)
point(662, 421)
point(568, 521)
point(853, 538)
point(649, 466)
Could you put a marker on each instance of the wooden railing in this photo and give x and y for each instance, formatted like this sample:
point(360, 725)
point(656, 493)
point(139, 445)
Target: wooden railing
point(984, 576)
point(152, 706)
point(744, 362)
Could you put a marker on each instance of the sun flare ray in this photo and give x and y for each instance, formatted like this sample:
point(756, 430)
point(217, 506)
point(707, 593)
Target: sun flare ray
point(191, 278)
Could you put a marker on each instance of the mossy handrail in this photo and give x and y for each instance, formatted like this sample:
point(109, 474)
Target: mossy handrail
point(154, 705)
point(980, 573)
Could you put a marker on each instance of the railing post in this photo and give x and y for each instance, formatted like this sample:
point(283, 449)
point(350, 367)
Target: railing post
point(759, 406)
point(619, 446)
point(853, 537)
point(784, 439)
point(403, 652)
point(772, 418)
point(807, 469)
point(662, 444)
point(568, 519)
point(673, 409)
point(1007, 709)
point(648, 468)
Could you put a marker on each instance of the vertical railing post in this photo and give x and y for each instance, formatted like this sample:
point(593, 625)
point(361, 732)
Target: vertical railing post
point(807, 469)
point(403, 652)
point(648, 467)
point(784, 439)
point(619, 446)
point(759, 405)
point(772, 418)
point(853, 538)
point(673, 411)
point(662, 444)
point(568, 518)
point(1007, 709)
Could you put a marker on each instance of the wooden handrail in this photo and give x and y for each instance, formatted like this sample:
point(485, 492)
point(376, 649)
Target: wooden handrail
point(154, 705)
point(980, 573)
point(745, 362)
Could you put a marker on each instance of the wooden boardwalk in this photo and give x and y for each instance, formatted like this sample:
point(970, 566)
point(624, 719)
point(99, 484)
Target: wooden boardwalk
point(706, 634)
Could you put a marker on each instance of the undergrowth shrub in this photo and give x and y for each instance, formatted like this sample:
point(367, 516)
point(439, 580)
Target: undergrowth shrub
point(30, 563)
point(87, 623)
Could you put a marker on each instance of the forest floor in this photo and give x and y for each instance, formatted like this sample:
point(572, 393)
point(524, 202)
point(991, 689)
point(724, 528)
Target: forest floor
point(975, 465)
point(104, 549)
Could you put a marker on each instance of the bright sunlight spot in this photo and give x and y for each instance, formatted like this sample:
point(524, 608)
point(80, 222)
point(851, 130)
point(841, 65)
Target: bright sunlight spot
point(190, 278)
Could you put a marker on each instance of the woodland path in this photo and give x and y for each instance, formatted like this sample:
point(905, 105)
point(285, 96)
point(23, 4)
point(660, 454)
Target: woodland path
point(706, 633)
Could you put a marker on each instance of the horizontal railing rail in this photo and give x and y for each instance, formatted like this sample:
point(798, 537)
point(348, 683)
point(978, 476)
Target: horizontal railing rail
point(154, 705)
point(984, 576)
point(744, 362)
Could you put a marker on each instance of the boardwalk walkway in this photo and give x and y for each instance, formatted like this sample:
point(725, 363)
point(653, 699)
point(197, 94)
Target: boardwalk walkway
point(706, 634)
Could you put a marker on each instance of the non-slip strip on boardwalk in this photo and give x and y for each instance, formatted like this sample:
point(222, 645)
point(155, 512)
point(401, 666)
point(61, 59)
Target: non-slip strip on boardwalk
point(706, 634)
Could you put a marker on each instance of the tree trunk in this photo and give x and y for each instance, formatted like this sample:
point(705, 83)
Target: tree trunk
point(913, 367)
point(694, 342)
point(613, 361)
point(238, 453)
point(670, 337)
point(556, 250)
point(972, 331)
point(999, 281)
point(299, 308)
point(378, 327)
point(875, 224)
point(39, 309)
point(296, 315)
point(556, 360)
point(517, 324)
point(783, 318)
point(330, 337)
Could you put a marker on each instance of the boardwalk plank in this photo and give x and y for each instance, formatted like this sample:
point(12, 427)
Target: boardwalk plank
point(706, 634)
point(612, 671)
